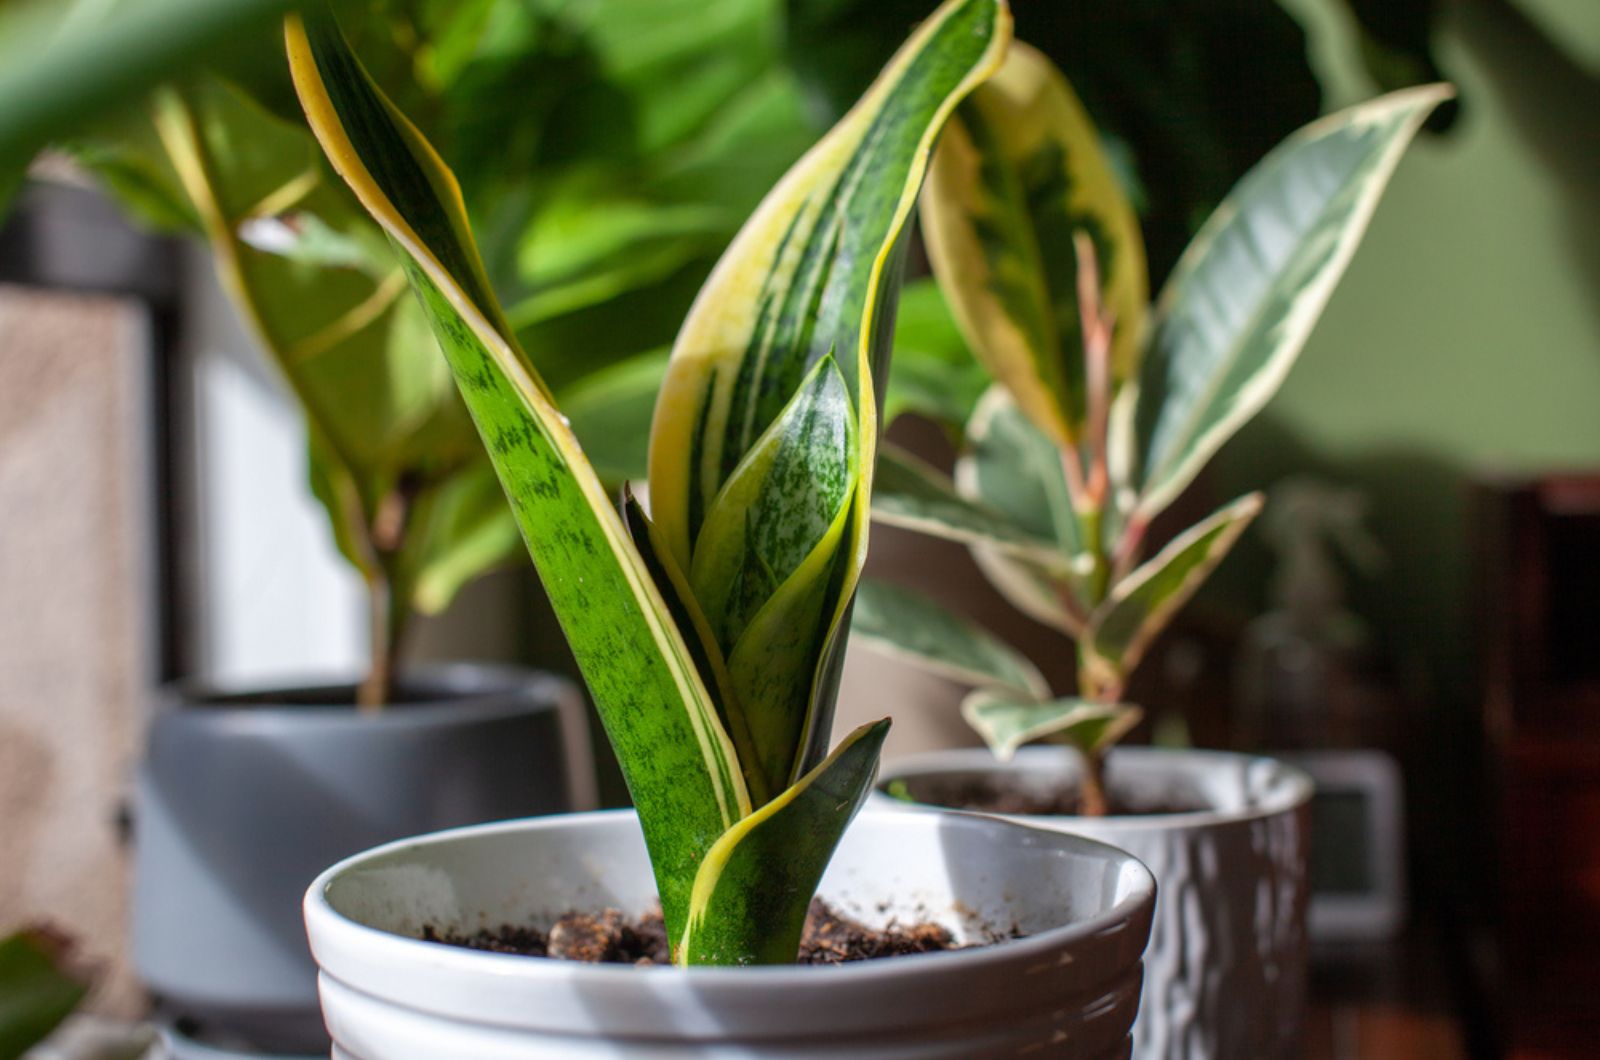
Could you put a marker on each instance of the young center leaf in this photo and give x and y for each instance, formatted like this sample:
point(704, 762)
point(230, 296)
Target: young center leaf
point(1245, 295)
point(679, 763)
point(813, 273)
point(1018, 173)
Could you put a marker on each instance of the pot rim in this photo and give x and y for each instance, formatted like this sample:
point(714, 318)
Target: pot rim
point(323, 920)
point(1295, 791)
point(452, 691)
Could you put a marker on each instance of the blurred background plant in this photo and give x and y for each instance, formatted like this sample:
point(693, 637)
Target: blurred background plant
point(608, 150)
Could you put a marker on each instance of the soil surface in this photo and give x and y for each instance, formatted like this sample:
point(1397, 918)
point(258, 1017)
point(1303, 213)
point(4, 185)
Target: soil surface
point(612, 937)
point(1014, 795)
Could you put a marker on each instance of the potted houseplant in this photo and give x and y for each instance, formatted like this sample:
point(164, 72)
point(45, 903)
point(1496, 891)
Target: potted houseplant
point(710, 631)
point(1099, 416)
point(246, 793)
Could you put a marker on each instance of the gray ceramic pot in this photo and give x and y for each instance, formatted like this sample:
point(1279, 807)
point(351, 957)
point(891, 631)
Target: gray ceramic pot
point(244, 797)
point(1225, 974)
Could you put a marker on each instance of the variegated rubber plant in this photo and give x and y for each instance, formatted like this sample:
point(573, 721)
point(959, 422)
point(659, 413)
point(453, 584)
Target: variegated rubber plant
point(710, 632)
point(1102, 412)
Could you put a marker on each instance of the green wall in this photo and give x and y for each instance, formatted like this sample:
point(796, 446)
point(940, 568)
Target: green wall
point(1465, 339)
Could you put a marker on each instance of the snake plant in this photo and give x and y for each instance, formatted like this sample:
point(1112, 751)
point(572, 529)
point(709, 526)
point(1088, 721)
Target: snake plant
point(711, 629)
point(1103, 410)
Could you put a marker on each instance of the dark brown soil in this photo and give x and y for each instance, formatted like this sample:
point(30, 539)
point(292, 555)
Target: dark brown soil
point(614, 938)
point(1008, 794)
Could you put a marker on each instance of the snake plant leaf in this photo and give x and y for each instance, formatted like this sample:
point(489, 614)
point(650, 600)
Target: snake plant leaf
point(751, 896)
point(813, 272)
point(37, 990)
point(1245, 295)
point(1140, 605)
point(765, 559)
point(1012, 467)
point(678, 760)
point(1006, 724)
point(789, 493)
point(912, 494)
point(1020, 171)
point(902, 623)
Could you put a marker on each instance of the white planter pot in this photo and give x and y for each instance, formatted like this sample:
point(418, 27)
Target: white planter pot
point(1069, 989)
point(1225, 973)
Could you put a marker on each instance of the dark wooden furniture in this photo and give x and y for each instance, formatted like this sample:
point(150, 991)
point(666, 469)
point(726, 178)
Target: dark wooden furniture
point(1541, 610)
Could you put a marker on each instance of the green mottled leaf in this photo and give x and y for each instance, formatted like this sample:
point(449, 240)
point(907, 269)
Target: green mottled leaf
point(1140, 606)
point(1018, 173)
point(815, 270)
point(900, 622)
point(1247, 292)
point(789, 493)
point(678, 761)
point(912, 494)
point(764, 561)
point(1006, 724)
point(751, 896)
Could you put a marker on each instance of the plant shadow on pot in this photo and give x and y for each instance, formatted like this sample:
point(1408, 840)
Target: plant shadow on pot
point(244, 797)
point(1070, 987)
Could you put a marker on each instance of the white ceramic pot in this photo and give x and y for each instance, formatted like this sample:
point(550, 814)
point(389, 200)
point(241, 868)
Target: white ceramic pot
point(1225, 973)
point(1068, 989)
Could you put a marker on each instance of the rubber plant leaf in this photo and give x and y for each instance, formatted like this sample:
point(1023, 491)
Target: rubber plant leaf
point(813, 273)
point(1246, 293)
point(1013, 468)
point(914, 495)
point(1006, 723)
point(1020, 171)
point(751, 896)
point(37, 988)
point(906, 624)
point(677, 759)
point(1140, 605)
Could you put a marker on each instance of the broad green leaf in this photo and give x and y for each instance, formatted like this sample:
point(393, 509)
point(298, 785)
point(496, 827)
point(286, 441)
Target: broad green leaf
point(751, 896)
point(907, 624)
point(932, 372)
point(1011, 467)
point(62, 63)
point(814, 271)
point(464, 531)
point(910, 493)
point(1249, 289)
point(1140, 606)
point(37, 990)
point(610, 411)
point(1018, 172)
point(1006, 724)
point(678, 760)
